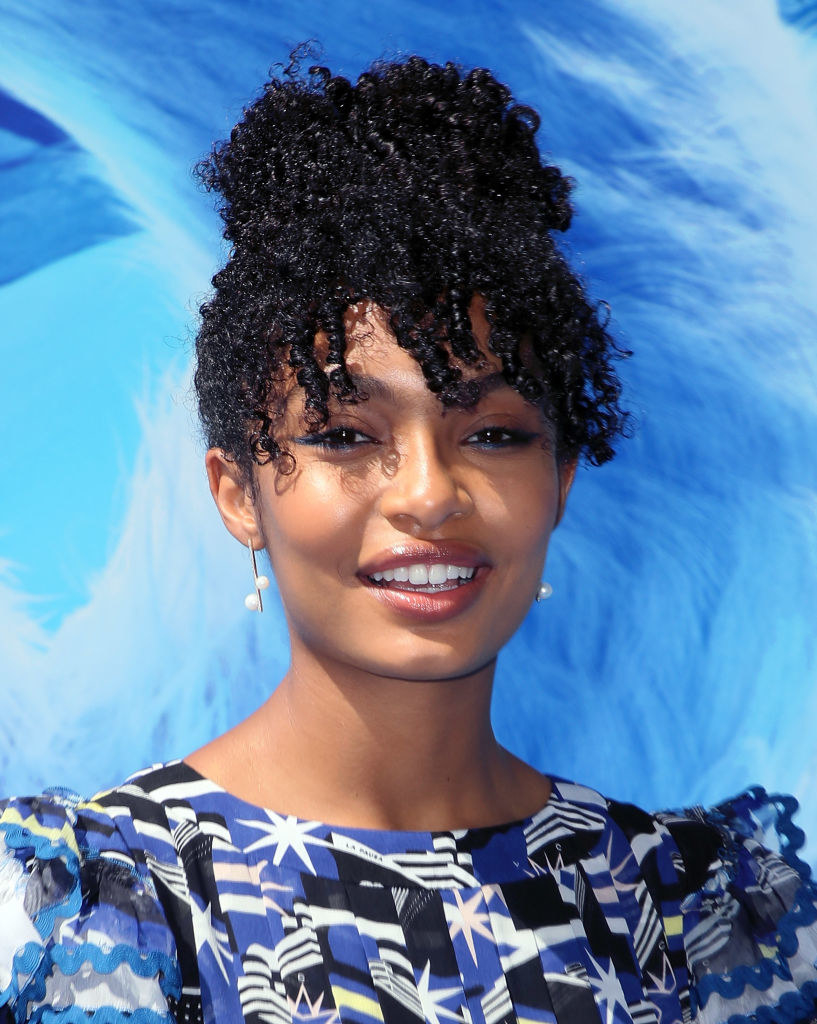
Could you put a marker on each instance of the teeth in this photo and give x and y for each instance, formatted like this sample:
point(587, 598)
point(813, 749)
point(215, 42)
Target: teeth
point(437, 573)
point(422, 575)
point(418, 575)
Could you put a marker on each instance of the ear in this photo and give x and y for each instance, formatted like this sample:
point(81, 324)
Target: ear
point(567, 473)
point(233, 498)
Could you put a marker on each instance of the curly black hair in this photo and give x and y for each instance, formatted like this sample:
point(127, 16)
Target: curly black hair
point(416, 188)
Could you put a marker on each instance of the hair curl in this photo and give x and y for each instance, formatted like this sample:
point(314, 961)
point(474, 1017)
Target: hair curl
point(415, 188)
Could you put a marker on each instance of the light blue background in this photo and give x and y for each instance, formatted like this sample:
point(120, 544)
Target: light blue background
point(677, 660)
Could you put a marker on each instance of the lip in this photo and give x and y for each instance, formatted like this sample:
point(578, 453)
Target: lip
point(423, 606)
point(450, 552)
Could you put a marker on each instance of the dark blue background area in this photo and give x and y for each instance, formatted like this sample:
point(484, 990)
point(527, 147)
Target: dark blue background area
point(52, 203)
point(802, 13)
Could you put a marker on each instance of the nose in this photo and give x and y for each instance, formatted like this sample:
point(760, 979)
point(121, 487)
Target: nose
point(423, 488)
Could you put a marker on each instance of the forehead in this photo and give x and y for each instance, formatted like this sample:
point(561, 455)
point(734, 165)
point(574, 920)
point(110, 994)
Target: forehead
point(372, 351)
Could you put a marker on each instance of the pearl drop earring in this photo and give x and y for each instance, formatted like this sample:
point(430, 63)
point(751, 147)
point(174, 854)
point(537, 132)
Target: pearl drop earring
point(544, 591)
point(253, 602)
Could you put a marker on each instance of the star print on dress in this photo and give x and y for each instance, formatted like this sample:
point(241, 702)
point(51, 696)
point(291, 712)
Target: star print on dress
point(433, 999)
point(607, 987)
point(285, 833)
point(207, 934)
point(465, 918)
point(171, 893)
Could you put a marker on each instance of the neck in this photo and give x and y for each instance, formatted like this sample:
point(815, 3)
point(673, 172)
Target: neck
point(353, 748)
point(397, 753)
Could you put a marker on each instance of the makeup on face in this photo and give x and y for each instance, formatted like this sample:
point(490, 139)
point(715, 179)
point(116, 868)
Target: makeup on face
point(427, 582)
point(410, 538)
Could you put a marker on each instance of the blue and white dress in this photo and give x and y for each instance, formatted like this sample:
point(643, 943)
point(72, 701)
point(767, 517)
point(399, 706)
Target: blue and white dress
point(169, 899)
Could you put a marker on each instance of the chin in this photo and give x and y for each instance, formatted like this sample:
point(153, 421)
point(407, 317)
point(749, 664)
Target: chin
point(424, 667)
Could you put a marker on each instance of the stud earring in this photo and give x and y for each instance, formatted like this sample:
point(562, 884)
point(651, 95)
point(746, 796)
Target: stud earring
point(544, 591)
point(253, 602)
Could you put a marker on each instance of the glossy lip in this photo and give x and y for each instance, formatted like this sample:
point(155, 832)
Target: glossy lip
point(447, 552)
point(428, 607)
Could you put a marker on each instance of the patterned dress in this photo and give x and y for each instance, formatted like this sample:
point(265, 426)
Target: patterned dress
point(168, 899)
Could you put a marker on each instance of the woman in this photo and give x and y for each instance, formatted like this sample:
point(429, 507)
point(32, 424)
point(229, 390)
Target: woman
point(397, 374)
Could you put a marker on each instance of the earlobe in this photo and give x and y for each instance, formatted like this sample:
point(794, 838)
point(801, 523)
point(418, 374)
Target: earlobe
point(233, 498)
point(567, 473)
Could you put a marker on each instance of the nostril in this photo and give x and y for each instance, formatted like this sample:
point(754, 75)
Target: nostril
point(421, 486)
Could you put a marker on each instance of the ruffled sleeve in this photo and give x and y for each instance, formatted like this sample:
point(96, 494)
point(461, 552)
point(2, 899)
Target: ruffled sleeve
point(750, 928)
point(81, 929)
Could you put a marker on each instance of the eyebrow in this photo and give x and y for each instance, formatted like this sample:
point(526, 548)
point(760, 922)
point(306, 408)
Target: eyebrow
point(373, 387)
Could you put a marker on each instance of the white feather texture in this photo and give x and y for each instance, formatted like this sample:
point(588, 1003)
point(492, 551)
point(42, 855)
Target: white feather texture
point(677, 659)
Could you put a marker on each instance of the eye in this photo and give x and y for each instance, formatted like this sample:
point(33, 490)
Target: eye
point(500, 437)
point(336, 439)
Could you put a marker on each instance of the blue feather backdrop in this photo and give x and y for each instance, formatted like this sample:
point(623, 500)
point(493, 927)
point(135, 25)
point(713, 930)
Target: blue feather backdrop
point(677, 661)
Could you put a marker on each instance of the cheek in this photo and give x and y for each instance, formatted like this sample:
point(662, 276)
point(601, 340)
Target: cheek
point(315, 521)
point(523, 507)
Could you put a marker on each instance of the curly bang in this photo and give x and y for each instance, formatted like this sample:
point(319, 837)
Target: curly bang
point(416, 188)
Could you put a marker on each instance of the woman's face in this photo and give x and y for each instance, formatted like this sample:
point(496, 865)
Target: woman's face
point(409, 541)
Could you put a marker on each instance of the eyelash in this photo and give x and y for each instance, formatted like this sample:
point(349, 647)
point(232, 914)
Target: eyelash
point(340, 439)
point(511, 438)
point(334, 440)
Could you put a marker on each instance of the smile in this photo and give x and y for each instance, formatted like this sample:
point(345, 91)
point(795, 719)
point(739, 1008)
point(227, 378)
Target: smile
point(426, 583)
point(423, 578)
